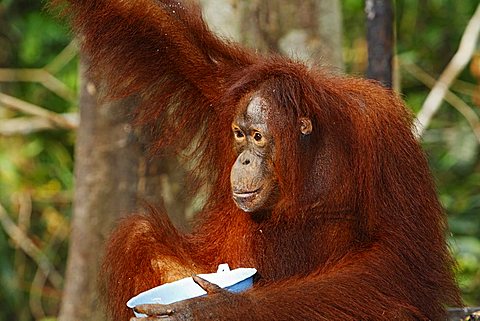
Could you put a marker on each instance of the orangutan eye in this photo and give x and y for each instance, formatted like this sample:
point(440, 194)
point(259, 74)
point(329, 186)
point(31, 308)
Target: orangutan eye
point(257, 136)
point(238, 134)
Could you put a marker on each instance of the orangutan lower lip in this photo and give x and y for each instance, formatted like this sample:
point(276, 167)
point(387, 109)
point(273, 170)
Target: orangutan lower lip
point(245, 194)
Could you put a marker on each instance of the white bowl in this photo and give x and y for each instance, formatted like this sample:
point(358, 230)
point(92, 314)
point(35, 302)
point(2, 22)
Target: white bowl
point(235, 281)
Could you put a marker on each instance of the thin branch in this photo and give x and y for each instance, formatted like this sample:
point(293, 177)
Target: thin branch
point(28, 125)
point(26, 244)
point(38, 75)
point(454, 67)
point(55, 119)
point(24, 203)
point(35, 298)
point(467, 112)
point(38, 288)
point(63, 58)
point(24, 210)
point(464, 87)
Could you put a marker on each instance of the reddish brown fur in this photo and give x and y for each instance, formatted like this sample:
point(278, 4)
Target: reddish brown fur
point(358, 233)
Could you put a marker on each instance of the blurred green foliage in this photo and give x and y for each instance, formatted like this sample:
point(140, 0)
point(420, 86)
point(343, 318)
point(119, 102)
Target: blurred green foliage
point(36, 170)
point(428, 34)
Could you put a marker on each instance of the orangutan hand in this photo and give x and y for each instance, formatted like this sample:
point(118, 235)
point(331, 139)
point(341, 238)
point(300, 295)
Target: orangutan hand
point(200, 308)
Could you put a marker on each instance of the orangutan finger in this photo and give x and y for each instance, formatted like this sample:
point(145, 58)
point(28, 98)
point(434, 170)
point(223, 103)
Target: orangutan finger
point(154, 310)
point(154, 318)
point(210, 287)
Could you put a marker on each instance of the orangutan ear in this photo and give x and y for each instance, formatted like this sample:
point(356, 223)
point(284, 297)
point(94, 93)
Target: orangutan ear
point(305, 125)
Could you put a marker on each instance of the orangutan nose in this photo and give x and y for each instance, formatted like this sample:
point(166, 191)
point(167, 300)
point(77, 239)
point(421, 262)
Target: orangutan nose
point(244, 158)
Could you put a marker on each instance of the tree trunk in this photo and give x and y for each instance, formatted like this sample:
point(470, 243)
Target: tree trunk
point(107, 158)
point(162, 184)
point(465, 314)
point(309, 30)
point(380, 40)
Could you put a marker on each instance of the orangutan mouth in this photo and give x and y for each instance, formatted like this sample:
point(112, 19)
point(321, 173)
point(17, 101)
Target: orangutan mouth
point(246, 194)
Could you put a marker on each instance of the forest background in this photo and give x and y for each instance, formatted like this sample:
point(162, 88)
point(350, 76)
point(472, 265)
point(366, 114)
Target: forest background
point(39, 66)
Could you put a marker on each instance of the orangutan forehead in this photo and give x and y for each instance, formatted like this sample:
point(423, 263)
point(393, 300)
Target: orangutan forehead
point(257, 110)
